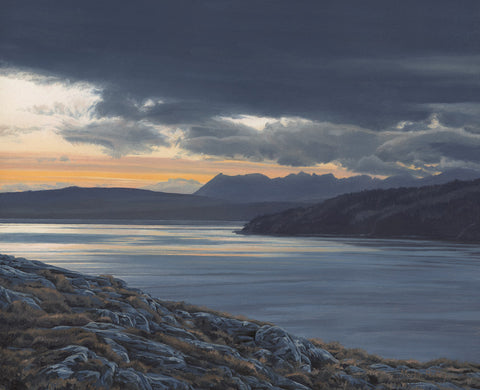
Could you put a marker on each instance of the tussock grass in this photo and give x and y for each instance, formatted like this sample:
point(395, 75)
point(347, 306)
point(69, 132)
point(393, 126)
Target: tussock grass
point(407, 371)
point(58, 279)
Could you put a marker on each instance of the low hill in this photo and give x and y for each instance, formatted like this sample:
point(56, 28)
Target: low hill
point(64, 330)
point(125, 203)
point(303, 187)
point(450, 211)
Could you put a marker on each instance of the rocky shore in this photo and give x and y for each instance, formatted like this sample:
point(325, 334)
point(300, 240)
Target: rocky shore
point(64, 330)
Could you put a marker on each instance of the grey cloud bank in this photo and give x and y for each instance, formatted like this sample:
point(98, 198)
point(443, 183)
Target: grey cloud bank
point(425, 148)
point(352, 71)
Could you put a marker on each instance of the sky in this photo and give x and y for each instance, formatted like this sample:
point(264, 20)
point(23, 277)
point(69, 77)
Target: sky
point(166, 94)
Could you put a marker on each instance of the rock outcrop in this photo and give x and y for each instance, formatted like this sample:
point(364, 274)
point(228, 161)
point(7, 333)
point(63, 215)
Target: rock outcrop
point(64, 330)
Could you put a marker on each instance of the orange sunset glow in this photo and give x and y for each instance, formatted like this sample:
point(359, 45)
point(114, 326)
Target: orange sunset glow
point(136, 172)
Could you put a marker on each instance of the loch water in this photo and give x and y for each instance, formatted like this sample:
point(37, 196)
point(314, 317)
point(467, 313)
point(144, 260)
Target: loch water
point(396, 298)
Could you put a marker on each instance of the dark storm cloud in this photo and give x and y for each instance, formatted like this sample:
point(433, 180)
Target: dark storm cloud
point(270, 58)
point(368, 65)
point(295, 143)
point(466, 115)
point(431, 145)
point(160, 109)
point(373, 165)
point(117, 136)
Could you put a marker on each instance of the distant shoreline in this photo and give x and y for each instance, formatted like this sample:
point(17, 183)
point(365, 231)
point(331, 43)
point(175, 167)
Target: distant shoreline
point(120, 221)
point(153, 222)
point(361, 237)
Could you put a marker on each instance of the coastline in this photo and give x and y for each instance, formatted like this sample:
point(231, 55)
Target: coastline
point(360, 237)
point(69, 329)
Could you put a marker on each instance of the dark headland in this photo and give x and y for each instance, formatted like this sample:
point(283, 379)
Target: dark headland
point(440, 212)
point(65, 330)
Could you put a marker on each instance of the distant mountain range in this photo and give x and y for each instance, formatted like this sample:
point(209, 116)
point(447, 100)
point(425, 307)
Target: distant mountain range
point(223, 198)
point(449, 211)
point(126, 203)
point(303, 187)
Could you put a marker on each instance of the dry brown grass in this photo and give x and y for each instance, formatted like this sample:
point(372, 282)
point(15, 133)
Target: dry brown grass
point(58, 279)
point(214, 380)
point(452, 371)
point(10, 361)
point(49, 321)
point(354, 354)
point(52, 301)
point(76, 300)
point(300, 377)
point(22, 316)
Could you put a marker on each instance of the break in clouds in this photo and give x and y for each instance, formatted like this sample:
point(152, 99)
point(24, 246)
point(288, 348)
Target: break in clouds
point(448, 138)
point(379, 88)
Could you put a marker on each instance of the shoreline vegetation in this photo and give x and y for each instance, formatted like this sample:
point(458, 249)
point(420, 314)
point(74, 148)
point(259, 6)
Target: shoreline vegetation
point(64, 330)
point(448, 212)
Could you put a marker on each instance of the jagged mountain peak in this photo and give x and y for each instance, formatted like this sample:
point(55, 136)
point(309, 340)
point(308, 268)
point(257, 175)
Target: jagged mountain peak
point(305, 187)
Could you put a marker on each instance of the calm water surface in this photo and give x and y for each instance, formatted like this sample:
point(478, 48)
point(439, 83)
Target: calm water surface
point(397, 298)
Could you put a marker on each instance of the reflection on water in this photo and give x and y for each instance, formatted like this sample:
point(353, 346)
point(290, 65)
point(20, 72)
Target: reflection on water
point(397, 298)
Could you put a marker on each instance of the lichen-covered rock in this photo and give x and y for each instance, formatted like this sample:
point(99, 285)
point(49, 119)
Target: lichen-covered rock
point(133, 379)
point(357, 383)
point(87, 376)
point(382, 367)
point(288, 350)
point(16, 276)
point(231, 326)
point(448, 385)
point(355, 370)
point(150, 352)
point(7, 297)
point(118, 349)
point(102, 376)
point(317, 356)
point(256, 384)
point(209, 347)
point(280, 344)
point(422, 386)
point(163, 382)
